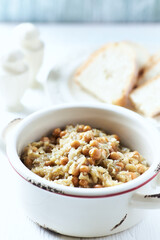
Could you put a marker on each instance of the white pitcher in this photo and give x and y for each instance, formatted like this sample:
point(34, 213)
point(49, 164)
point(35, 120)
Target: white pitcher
point(33, 48)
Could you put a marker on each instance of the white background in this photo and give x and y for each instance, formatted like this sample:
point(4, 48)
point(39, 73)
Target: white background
point(63, 42)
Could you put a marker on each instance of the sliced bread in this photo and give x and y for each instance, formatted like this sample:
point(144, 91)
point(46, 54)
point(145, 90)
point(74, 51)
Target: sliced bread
point(146, 98)
point(154, 58)
point(151, 70)
point(109, 74)
point(142, 54)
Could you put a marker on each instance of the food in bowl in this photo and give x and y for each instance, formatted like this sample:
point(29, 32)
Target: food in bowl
point(81, 156)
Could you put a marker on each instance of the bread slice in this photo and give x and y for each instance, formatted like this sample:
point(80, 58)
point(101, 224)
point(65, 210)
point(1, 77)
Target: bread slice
point(154, 58)
point(142, 54)
point(109, 74)
point(146, 98)
point(151, 70)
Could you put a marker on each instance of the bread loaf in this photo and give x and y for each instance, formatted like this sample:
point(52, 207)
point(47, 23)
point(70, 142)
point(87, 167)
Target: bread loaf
point(150, 71)
point(142, 54)
point(110, 73)
point(146, 98)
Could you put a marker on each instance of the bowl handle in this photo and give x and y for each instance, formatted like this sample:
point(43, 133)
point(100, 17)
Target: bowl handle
point(9, 128)
point(150, 201)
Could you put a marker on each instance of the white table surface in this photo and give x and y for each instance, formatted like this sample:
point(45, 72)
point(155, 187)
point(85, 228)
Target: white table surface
point(63, 42)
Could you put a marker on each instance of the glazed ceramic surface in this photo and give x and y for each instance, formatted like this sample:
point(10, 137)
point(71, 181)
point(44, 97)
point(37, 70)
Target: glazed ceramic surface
point(87, 212)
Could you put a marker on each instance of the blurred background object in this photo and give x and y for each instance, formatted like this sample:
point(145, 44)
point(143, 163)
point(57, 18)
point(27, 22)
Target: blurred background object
point(80, 10)
point(31, 45)
point(14, 78)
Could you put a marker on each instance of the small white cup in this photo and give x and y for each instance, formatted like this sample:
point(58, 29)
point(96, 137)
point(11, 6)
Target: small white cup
point(14, 77)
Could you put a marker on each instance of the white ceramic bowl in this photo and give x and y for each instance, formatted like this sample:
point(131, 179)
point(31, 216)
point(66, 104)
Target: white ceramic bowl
point(87, 212)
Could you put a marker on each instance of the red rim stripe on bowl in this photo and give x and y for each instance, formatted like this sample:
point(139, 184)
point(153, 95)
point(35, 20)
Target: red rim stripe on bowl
point(103, 196)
